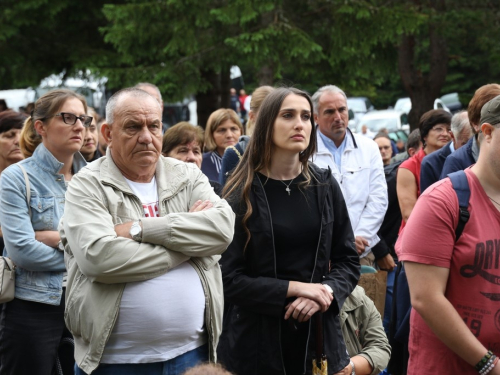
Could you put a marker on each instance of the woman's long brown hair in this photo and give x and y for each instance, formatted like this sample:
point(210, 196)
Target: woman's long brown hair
point(257, 156)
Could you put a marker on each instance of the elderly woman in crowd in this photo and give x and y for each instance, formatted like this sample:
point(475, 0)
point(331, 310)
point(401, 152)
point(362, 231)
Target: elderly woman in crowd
point(32, 324)
point(223, 130)
point(11, 123)
point(435, 133)
point(184, 141)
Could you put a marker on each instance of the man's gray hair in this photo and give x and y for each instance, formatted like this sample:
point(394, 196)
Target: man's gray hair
point(328, 88)
point(132, 91)
point(140, 85)
point(459, 121)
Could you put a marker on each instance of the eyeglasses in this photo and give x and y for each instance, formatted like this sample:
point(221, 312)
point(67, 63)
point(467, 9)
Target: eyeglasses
point(440, 129)
point(70, 118)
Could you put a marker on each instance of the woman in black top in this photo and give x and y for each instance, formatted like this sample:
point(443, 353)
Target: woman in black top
point(293, 253)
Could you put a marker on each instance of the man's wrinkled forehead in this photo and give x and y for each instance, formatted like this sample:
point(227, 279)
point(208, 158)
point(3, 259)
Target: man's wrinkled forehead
point(143, 106)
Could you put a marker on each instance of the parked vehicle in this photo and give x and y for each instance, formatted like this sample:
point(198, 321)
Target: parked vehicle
point(389, 119)
point(452, 101)
point(404, 105)
point(358, 107)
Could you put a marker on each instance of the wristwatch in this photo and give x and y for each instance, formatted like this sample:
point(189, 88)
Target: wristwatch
point(136, 231)
point(353, 370)
point(329, 288)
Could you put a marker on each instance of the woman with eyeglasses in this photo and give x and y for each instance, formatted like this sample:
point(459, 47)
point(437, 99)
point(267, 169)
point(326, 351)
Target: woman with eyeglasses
point(32, 324)
point(435, 133)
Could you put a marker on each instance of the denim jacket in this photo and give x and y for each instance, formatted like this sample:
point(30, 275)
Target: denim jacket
point(40, 268)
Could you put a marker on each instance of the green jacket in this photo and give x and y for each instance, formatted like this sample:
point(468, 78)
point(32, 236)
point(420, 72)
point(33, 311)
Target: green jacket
point(100, 264)
point(363, 332)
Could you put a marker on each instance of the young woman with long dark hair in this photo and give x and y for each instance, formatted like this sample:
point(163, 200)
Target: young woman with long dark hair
point(293, 254)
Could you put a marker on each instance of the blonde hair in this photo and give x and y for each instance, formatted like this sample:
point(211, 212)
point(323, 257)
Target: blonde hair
point(258, 97)
point(29, 138)
point(216, 119)
point(45, 107)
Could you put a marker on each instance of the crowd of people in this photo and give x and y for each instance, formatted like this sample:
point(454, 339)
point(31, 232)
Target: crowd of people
point(237, 249)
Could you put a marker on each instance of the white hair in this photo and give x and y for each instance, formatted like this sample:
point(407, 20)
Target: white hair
point(459, 121)
point(132, 91)
point(328, 88)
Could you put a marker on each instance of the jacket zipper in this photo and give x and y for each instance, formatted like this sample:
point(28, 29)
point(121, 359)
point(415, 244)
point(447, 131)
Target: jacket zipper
point(275, 271)
point(312, 275)
point(208, 314)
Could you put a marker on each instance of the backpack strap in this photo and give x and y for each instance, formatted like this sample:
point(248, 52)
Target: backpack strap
point(461, 186)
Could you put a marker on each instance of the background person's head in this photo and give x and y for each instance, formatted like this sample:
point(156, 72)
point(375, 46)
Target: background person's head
point(11, 123)
point(258, 97)
point(152, 90)
point(461, 131)
point(91, 136)
point(482, 95)
point(414, 143)
point(331, 112)
point(384, 145)
point(133, 131)
point(434, 129)
point(57, 118)
point(223, 130)
point(184, 141)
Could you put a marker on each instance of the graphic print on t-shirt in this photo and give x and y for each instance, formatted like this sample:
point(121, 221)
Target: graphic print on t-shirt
point(150, 209)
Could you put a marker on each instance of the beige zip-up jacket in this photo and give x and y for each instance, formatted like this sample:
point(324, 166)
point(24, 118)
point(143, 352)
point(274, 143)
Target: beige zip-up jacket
point(100, 264)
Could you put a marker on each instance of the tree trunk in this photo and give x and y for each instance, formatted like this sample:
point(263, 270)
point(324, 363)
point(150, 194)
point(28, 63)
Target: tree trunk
point(225, 84)
point(265, 76)
point(208, 101)
point(423, 88)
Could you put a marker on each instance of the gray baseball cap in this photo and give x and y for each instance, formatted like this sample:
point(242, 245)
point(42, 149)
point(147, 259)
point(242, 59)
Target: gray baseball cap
point(490, 112)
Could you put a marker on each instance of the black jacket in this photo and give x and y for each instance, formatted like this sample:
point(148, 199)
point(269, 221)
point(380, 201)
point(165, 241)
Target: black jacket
point(255, 298)
point(432, 165)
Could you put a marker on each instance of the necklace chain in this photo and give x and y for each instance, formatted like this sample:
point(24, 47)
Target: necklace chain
point(288, 190)
point(494, 201)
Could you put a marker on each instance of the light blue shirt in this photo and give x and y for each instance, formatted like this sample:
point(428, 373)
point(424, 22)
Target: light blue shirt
point(334, 150)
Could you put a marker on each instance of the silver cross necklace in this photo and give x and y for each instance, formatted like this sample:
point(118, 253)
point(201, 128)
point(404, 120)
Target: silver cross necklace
point(288, 190)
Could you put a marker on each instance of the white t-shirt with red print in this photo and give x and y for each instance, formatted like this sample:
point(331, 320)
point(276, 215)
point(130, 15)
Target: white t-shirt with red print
point(160, 318)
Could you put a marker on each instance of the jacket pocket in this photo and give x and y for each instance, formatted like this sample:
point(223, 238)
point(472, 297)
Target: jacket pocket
point(42, 212)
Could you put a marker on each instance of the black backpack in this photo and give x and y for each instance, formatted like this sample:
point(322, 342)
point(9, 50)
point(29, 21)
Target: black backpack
point(399, 329)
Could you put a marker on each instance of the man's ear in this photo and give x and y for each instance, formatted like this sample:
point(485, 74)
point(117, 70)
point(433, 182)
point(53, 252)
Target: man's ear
point(40, 127)
point(486, 129)
point(315, 116)
point(106, 133)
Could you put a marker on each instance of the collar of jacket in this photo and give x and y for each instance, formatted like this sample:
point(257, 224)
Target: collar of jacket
point(167, 169)
point(354, 301)
point(44, 159)
point(350, 143)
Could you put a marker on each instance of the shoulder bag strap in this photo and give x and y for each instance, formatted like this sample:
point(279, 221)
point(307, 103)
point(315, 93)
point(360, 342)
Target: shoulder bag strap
point(28, 187)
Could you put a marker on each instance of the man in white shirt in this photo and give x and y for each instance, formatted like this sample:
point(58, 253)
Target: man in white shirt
point(356, 165)
point(143, 235)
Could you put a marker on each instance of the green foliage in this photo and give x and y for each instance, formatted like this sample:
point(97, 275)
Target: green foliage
point(173, 43)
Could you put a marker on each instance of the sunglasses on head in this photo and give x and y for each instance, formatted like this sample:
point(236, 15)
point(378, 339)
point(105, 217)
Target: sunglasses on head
point(70, 118)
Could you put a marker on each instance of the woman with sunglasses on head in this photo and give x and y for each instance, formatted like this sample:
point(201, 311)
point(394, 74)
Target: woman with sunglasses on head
point(293, 253)
point(32, 324)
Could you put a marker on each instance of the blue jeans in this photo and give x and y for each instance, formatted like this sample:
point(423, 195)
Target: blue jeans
point(174, 366)
point(388, 300)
